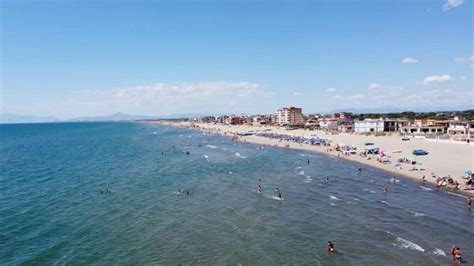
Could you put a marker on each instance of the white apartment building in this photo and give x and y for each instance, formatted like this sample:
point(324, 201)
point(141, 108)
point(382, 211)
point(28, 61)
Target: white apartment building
point(290, 116)
point(459, 129)
point(369, 126)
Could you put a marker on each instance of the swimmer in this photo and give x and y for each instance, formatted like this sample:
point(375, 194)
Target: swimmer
point(469, 202)
point(327, 179)
point(259, 189)
point(394, 179)
point(385, 189)
point(307, 161)
point(360, 169)
point(277, 190)
point(453, 248)
point(457, 255)
point(187, 193)
point(331, 247)
point(373, 180)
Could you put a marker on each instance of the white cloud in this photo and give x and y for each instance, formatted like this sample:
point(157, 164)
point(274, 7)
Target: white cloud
point(462, 78)
point(452, 4)
point(462, 60)
point(331, 89)
point(297, 93)
point(349, 97)
point(437, 79)
point(379, 88)
point(409, 60)
point(375, 86)
point(163, 98)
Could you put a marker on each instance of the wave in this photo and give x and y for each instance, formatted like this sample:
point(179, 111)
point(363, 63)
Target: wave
point(272, 197)
point(298, 167)
point(455, 194)
point(426, 188)
point(333, 197)
point(301, 172)
point(240, 156)
point(207, 157)
point(211, 146)
point(401, 242)
point(417, 214)
point(439, 252)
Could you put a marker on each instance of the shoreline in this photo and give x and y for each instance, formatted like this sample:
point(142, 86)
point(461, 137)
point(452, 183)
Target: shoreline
point(264, 141)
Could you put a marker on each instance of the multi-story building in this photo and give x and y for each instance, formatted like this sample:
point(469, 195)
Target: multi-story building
point(369, 125)
point(461, 129)
point(234, 120)
point(259, 120)
point(290, 116)
point(330, 125)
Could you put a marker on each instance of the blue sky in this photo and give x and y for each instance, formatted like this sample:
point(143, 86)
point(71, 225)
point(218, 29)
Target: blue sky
point(81, 58)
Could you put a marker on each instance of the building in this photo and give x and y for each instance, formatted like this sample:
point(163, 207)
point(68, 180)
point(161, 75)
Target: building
point(259, 120)
point(423, 130)
point(342, 116)
point(461, 130)
point(290, 116)
point(369, 125)
point(330, 125)
point(234, 120)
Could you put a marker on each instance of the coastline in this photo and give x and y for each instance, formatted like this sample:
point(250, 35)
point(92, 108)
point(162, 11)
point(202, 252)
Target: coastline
point(230, 131)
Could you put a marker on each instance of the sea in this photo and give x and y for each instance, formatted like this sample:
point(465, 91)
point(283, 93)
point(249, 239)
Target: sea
point(117, 193)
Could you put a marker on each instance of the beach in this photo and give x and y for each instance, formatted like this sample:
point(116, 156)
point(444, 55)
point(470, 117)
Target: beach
point(117, 193)
point(444, 158)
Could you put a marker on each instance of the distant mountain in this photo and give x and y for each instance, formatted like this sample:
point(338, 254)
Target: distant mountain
point(114, 118)
point(8, 118)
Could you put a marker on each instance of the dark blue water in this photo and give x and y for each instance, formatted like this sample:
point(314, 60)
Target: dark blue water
point(53, 212)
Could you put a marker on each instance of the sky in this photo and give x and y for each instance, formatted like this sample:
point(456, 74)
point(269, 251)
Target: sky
point(85, 58)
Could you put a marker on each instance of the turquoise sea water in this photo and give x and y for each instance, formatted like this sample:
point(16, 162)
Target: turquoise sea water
point(53, 212)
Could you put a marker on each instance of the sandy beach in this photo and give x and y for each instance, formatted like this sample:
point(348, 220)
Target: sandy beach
point(444, 158)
